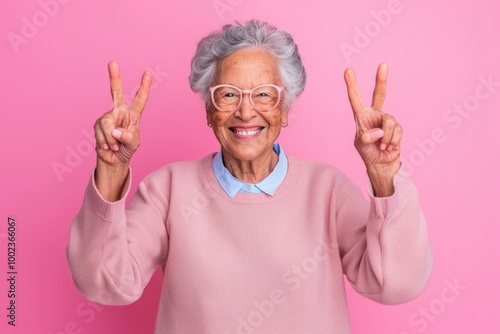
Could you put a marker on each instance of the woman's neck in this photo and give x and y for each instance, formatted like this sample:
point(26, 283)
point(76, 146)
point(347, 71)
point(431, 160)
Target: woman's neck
point(251, 171)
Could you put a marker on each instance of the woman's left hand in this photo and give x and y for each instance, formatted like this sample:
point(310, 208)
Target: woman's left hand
point(378, 135)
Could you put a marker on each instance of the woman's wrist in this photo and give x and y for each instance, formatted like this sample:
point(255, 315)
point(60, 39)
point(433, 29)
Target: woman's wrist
point(110, 180)
point(382, 178)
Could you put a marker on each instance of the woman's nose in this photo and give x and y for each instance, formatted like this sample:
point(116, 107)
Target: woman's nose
point(246, 110)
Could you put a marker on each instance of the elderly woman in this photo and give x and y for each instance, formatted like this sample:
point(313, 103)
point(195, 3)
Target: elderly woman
point(249, 239)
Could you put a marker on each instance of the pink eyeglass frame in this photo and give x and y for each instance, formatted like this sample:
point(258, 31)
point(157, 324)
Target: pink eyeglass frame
point(246, 91)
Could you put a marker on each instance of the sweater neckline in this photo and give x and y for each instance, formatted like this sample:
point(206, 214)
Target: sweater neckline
point(215, 189)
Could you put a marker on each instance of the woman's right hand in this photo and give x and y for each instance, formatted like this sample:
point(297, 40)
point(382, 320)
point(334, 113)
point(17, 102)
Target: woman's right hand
point(117, 135)
point(117, 131)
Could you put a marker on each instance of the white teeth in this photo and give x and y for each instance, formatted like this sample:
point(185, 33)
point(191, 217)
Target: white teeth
point(247, 133)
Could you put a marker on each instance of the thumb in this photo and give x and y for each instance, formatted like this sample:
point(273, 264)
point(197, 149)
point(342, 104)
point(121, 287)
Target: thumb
point(125, 137)
point(129, 143)
point(371, 136)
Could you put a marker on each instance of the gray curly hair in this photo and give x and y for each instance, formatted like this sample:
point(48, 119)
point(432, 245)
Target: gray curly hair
point(253, 33)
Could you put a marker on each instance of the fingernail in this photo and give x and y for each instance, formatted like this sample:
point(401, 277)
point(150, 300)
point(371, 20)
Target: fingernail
point(383, 146)
point(116, 148)
point(105, 146)
point(116, 133)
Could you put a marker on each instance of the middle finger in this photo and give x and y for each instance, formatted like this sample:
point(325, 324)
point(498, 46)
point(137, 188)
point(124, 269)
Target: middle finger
point(115, 84)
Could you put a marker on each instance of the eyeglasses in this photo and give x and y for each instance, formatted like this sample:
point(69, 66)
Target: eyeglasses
point(227, 98)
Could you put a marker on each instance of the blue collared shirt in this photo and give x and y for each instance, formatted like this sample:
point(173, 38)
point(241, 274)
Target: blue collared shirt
point(232, 185)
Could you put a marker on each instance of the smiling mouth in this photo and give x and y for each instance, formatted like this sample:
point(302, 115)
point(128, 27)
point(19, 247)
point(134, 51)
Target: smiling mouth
point(246, 132)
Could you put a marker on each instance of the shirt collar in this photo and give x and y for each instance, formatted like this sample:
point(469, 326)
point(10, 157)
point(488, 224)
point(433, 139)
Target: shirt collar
point(268, 185)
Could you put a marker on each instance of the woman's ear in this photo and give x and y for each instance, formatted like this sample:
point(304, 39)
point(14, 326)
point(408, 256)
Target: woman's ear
point(208, 113)
point(284, 116)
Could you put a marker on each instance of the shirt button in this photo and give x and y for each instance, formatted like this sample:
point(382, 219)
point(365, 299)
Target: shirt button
point(248, 187)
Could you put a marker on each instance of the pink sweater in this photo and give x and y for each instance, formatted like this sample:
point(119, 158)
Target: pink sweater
point(255, 263)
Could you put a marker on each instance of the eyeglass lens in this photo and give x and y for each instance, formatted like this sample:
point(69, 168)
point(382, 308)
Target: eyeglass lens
point(263, 98)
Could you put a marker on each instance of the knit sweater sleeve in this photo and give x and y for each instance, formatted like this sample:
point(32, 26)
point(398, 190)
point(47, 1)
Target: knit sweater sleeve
point(112, 251)
point(384, 246)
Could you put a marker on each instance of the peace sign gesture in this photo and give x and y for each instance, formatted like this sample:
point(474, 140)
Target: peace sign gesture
point(117, 131)
point(378, 135)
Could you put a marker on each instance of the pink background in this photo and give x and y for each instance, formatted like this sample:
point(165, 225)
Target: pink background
point(54, 86)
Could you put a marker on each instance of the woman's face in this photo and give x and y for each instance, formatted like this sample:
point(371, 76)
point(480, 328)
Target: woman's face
point(246, 69)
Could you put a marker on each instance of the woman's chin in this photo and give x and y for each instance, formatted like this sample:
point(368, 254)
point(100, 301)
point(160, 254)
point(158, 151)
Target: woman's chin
point(247, 153)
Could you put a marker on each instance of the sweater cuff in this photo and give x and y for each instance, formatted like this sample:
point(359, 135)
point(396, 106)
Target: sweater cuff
point(105, 209)
point(385, 206)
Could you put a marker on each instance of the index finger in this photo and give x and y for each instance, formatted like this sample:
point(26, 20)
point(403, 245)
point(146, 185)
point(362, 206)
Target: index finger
point(142, 95)
point(115, 83)
point(380, 87)
point(353, 91)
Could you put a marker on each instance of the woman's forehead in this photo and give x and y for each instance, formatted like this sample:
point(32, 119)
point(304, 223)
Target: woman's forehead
point(247, 66)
